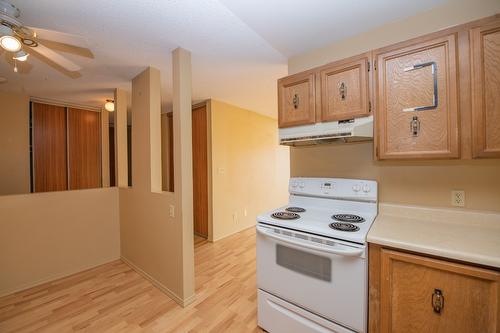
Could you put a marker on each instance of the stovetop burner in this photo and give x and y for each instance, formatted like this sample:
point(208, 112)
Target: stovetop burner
point(295, 209)
point(344, 226)
point(349, 218)
point(285, 215)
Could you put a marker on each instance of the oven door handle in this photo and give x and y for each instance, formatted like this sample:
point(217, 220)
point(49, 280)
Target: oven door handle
point(354, 252)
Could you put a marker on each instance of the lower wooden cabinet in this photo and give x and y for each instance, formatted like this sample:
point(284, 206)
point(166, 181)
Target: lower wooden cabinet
point(413, 293)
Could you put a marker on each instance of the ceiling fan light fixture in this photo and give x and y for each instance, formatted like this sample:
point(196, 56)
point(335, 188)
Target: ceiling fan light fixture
point(10, 43)
point(29, 42)
point(21, 56)
point(109, 105)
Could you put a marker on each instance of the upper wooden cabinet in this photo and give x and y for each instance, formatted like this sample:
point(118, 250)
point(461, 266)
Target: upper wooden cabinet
point(417, 99)
point(297, 100)
point(345, 89)
point(433, 97)
point(485, 76)
point(337, 91)
point(413, 293)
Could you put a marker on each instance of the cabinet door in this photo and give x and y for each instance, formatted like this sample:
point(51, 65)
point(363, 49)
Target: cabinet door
point(417, 100)
point(345, 89)
point(296, 100)
point(419, 294)
point(485, 44)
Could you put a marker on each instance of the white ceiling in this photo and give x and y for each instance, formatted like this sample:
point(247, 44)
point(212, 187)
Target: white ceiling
point(296, 26)
point(239, 47)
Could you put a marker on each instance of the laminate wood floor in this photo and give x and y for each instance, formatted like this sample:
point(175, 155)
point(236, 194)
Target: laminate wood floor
point(114, 298)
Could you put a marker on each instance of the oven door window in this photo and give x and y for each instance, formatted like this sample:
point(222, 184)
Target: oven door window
point(306, 263)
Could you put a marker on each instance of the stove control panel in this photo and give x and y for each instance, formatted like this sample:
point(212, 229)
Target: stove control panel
point(340, 188)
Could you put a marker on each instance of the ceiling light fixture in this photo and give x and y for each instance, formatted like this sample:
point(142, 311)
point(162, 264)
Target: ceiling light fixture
point(21, 56)
point(10, 43)
point(110, 105)
point(7, 39)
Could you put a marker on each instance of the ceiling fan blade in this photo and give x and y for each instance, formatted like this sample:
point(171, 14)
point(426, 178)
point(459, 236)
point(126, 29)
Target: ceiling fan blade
point(60, 37)
point(56, 58)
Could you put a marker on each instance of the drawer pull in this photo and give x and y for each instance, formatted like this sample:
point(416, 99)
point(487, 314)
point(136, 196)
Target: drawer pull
point(434, 78)
point(296, 101)
point(343, 90)
point(437, 301)
point(415, 126)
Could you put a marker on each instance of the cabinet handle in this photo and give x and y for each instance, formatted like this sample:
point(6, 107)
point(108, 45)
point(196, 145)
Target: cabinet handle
point(437, 301)
point(415, 126)
point(434, 77)
point(343, 90)
point(296, 101)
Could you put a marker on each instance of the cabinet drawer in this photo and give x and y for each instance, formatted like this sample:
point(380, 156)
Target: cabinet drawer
point(420, 294)
point(296, 100)
point(417, 100)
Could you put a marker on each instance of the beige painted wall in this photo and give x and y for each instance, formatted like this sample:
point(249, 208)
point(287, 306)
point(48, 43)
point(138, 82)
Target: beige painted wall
point(14, 143)
point(49, 235)
point(152, 240)
point(250, 171)
point(421, 183)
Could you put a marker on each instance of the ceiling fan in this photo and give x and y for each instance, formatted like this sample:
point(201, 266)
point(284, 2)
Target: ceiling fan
point(20, 40)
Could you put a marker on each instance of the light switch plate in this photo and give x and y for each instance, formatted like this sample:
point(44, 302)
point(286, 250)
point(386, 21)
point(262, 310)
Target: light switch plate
point(458, 198)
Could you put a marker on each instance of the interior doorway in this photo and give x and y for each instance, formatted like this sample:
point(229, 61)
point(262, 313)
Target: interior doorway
point(200, 142)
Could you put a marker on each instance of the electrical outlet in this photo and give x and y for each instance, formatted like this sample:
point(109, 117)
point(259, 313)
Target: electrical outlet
point(458, 198)
point(245, 213)
point(171, 211)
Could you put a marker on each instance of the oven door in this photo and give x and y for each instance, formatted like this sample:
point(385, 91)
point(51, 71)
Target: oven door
point(324, 276)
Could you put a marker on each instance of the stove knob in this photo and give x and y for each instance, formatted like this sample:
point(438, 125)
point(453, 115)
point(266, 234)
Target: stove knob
point(356, 188)
point(366, 188)
point(294, 185)
point(301, 185)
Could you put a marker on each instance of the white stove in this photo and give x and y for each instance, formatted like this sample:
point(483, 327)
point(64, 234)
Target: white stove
point(312, 266)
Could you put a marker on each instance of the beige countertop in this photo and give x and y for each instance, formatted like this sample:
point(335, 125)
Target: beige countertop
point(460, 234)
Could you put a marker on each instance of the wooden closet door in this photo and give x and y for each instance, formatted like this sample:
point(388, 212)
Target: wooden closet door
point(84, 137)
point(485, 44)
point(417, 99)
point(345, 89)
point(49, 148)
point(200, 171)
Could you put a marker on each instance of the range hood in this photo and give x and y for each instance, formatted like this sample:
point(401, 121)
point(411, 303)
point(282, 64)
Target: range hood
point(351, 130)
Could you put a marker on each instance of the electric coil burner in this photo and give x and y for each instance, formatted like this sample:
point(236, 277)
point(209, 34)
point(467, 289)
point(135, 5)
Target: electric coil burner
point(295, 209)
point(349, 218)
point(285, 215)
point(344, 226)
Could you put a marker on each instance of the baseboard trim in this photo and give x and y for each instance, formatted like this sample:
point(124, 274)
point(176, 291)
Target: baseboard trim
point(54, 277)
point(179, 300)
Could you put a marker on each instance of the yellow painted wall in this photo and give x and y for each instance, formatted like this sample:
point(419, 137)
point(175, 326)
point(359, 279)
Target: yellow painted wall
point(14, 143)
point(45, 236)
point(249, 169)
point(423, 183)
